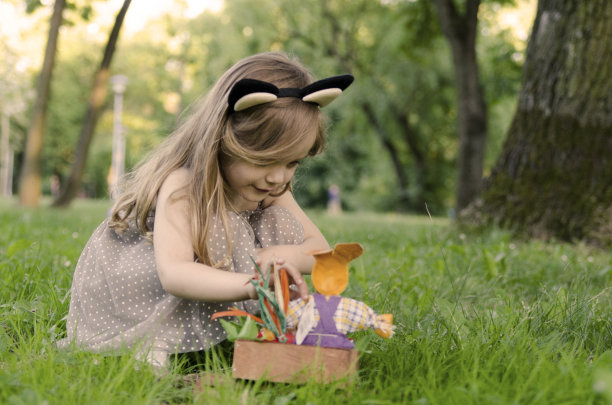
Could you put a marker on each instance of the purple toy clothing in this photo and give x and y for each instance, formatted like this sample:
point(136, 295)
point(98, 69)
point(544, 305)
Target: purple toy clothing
point(325, 333)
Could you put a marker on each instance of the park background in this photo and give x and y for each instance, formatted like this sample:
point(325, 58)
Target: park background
point(393, 141)
point(495, 113)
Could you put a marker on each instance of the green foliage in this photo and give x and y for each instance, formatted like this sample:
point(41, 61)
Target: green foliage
point(481, 318)
point(395, 50)
point(244, 328)
point(73, 78)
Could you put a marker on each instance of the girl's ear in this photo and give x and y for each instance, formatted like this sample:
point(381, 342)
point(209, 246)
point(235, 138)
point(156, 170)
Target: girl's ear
point(250, 92)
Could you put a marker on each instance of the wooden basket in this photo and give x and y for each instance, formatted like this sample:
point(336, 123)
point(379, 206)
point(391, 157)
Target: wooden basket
point(290, 363)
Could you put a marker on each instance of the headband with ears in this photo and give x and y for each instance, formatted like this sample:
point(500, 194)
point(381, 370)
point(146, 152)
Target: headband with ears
point(247, 93)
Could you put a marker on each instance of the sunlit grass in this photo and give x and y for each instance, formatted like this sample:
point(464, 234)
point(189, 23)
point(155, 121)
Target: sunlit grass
point(480, 319)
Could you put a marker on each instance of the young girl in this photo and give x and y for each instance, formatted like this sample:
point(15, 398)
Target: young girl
point(179, 241)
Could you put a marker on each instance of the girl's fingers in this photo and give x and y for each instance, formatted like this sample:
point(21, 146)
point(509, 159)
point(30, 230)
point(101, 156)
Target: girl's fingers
point(297, 278)
point(266, 264)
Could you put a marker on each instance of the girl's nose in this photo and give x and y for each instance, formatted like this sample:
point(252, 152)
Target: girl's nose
point(276, 175)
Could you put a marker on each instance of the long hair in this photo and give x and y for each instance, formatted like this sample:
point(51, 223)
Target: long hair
point(212, 135)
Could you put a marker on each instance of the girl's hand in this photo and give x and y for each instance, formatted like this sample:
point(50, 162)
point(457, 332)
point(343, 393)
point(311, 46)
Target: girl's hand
point(266, 257)
point(295, 277)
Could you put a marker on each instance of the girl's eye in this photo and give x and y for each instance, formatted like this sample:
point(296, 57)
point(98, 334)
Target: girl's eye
point(293, 164)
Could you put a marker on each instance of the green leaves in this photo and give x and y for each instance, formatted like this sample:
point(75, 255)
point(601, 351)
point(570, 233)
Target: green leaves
point(245, 328)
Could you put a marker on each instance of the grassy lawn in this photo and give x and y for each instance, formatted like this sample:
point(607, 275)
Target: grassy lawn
point(480, 319)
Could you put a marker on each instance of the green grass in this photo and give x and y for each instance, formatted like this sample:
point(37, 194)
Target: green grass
point(480, 319)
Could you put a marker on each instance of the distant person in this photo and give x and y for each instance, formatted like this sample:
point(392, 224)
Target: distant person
point(54, 185)
point(334, 206)
point(178, 245)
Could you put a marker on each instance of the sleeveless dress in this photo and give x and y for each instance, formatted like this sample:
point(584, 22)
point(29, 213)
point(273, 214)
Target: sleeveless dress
point(117, 300)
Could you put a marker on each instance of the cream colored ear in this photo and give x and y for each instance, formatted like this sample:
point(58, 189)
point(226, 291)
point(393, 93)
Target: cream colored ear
point(323, 97)
point(253, 99)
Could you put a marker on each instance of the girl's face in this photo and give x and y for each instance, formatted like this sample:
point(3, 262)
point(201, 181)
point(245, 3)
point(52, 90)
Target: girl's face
point(250, 183)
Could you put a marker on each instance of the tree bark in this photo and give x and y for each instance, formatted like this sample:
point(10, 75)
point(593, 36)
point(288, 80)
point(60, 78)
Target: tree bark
point(30, 182)
point(553, 178)
point(460, 31)
point(96, 101)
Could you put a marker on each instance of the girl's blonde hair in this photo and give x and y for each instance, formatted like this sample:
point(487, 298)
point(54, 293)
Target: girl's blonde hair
point(212, 136)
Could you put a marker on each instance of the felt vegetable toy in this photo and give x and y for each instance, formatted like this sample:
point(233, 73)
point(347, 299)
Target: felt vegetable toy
point(272, 307)
point(322, 320)
point(326, 318)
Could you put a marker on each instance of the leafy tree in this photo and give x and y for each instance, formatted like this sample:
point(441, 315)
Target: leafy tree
point(393, 143)
point(74, 68)
point(30, 179)
point(96, 101)
point(553, 177)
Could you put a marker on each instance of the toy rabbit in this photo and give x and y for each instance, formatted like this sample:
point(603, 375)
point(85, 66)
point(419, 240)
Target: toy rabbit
point(326, 318)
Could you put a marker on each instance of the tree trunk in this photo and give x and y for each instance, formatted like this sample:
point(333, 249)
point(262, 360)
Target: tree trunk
point(96, 101)
point(30, 183)
point(394, 155)
point(460, 31)
point(553, 178)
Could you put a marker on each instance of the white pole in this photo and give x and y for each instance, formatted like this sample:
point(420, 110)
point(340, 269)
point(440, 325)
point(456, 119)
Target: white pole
point(6, 159)
point(119, 84)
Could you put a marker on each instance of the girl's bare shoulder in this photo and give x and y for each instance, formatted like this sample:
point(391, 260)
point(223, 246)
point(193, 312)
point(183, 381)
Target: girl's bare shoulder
point(177, 178)
point(176, 182)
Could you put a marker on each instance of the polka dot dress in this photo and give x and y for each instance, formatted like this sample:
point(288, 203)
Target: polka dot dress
point(117, 299)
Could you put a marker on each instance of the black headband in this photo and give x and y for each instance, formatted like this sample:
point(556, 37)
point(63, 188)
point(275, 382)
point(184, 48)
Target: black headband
point(247, 93)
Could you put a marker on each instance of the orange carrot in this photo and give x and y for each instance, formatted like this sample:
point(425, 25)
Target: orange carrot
point(273, 315)
point(236, 312)
point(284, 278)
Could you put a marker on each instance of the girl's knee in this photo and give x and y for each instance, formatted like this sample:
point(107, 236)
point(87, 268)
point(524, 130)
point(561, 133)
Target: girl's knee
point(276, 226)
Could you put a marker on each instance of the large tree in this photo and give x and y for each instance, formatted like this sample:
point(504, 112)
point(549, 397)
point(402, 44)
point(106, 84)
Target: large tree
point(95, 104)
point(30, 179)
point(554, 175)
point(460, 28)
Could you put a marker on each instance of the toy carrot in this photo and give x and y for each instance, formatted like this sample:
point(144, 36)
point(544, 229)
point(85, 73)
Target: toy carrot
point(236, 312)
point(284, 281)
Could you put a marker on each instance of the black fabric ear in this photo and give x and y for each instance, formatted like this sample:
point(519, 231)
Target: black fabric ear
point(247, 93)
point(325, 91)
point(244, 87)
point(335, 82)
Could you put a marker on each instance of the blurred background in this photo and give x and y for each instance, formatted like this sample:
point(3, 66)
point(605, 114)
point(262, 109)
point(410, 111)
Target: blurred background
point(393, 140)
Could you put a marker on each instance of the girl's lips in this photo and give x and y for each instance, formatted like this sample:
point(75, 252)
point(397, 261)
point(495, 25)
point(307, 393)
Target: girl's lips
point(262, 190)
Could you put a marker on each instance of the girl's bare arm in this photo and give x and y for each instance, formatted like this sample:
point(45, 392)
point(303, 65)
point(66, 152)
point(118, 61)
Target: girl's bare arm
point(295, 254)
point(178, 273)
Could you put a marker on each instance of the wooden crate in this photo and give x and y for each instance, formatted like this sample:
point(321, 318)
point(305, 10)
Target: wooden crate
point(279, 362)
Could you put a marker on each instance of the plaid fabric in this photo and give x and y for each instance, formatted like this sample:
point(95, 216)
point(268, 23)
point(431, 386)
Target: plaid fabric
point(350, 316)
